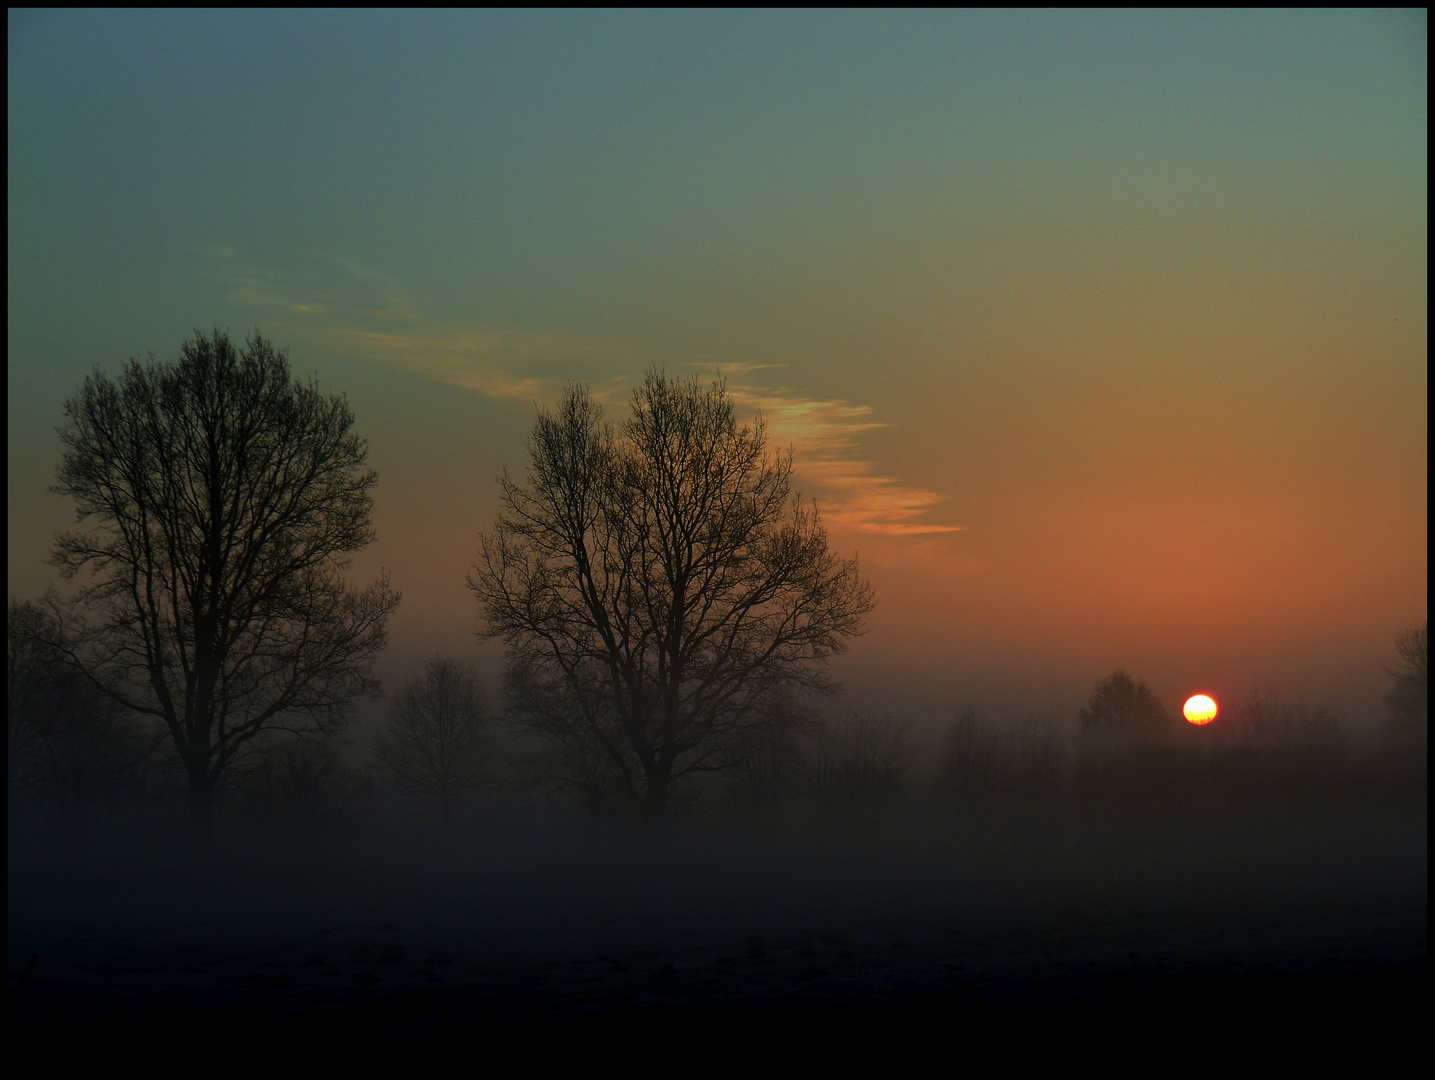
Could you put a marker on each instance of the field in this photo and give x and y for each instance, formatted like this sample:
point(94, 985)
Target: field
point(1267, 931)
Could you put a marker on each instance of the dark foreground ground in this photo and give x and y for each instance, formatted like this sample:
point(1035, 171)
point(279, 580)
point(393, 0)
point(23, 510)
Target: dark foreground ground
point(1273, 934)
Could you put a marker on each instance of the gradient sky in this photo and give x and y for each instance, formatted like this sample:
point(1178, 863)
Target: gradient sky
point(1100, 337)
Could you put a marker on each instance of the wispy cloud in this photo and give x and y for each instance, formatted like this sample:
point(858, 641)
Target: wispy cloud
point(496, 362)
point(827, 436)
point(262, 288)
point(350, 310)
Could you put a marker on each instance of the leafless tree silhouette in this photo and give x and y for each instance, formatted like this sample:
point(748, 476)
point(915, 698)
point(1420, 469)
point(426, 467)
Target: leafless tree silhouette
point(1408, 699)
point(29, 663)
point(968, 761)
point(1409, 696)
point(1267, 723)
point(862, 760)
point(227, 499)
point(660, 589)
point(1123, 721)
point(296, 781)
point(1041, 759)
point(436, 741)
point(1122, 710)
point(773, 768)
point(1025, 762)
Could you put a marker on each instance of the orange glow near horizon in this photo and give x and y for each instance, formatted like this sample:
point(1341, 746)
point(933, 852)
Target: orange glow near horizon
point(1200, 709)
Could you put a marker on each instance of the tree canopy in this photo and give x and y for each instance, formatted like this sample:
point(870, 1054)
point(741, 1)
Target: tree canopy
point(1409, 696)
point(226, 499)
point(659, 588)
point(1122, 710)
point(436, 741)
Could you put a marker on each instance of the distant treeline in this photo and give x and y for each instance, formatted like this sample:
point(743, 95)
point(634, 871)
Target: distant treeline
point(445, 754)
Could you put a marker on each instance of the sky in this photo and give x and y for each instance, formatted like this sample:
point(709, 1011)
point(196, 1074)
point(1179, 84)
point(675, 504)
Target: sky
point(1100, 338)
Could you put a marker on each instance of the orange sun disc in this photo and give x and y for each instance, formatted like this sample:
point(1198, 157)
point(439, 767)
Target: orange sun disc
point(1200, 709)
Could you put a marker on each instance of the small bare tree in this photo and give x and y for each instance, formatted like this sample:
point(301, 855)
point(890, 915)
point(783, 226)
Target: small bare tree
point(436, 741)
point(29, 664)
point(1121, 724)
point(227, 500)
point(968, 761)
point(773, 769)
point(1122, 711)
point(1040, 759)
point(861, 761)
point(1409, 696)
point(661, 591)
point(1269, 724)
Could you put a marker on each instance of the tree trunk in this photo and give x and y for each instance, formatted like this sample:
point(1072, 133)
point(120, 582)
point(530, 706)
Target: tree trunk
point(655, 798)
point(201, 805)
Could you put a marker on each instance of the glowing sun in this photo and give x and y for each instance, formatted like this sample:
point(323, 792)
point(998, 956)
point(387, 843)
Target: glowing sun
point(1200, 709)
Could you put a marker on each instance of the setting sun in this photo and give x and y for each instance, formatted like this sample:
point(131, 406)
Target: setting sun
point(1200, 709)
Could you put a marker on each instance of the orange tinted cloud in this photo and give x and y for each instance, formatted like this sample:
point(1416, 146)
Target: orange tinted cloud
point(826, 435)
point(349, 310)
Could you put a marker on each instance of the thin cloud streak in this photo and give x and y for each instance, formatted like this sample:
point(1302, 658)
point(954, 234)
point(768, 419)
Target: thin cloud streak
point(348, 310)
point(455, 361)
point(827, 437)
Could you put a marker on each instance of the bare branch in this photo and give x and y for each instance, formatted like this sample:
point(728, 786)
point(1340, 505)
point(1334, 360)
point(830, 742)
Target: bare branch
point(225, 500)
point(658, 590)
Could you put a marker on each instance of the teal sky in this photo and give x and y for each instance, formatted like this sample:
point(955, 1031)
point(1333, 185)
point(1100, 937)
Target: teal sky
point(1100, 336)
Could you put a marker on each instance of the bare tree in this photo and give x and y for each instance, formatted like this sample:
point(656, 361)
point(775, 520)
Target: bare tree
point(299, 781)
point(1040, 759)
point(1122, 723)
point(29, 662)
point(969, 757)
point(773, 768)
point(437, 740)
point(1121, 711)
point(227, 499)
point(1409, 696)
point(862, 760)
point(1021, 762)
point(660, 589)
point(1267, 723)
